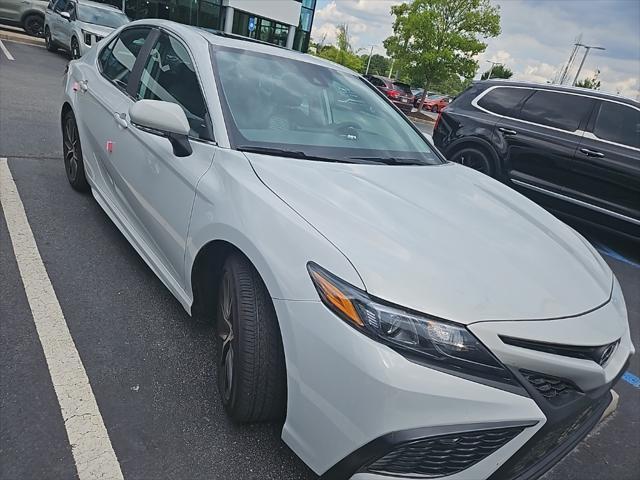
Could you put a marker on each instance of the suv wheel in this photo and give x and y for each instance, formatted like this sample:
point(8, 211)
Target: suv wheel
point(48, 42)
point(75, 48)
point(251, 367)
point(33, 24)
point(475, 158)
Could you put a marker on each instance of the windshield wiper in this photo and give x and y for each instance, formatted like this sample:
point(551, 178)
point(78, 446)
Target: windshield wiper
point(287, 153)
point(390, 160)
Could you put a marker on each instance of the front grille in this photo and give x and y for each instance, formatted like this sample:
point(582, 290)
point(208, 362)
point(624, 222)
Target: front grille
point(599, 354)
point(443, 455)
point(554, 389)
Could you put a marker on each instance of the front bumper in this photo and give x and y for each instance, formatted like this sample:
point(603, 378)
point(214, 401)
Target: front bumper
point(351, 400)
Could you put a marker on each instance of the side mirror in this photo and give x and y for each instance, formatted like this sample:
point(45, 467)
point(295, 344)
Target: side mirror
point(66, 15)
point(166, 119)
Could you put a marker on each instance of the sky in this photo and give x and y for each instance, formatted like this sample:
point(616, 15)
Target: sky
point(536, 40)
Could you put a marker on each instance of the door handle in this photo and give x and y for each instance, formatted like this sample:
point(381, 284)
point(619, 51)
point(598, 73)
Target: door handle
point(121, 119)
point(592, 153)
point(507, 131)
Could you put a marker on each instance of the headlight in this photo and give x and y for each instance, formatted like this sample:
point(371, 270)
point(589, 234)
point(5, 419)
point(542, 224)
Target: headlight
point(421, 338)
point(87, 37)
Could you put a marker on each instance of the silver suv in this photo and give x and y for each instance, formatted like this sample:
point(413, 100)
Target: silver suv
point(77, 25)
point(29, 14)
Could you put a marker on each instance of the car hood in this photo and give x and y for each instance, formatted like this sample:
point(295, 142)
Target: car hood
point(444, 240)
point(99, 30)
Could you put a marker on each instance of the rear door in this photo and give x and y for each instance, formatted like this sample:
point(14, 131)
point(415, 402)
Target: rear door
point(538, 140)
point(607, 166)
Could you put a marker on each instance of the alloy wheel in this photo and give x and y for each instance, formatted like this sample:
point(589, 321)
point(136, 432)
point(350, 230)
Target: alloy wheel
point(70, 144)
point(34, 25)
point(226, 334)
point(472, 158)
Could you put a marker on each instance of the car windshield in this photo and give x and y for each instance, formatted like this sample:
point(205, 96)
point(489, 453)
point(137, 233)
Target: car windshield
point(101, 16)
point(286, 107)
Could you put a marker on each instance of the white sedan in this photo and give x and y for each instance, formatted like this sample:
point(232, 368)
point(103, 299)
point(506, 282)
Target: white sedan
point(404, 316)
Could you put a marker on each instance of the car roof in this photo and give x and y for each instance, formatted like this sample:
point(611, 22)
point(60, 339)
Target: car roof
point(556, 88)
point(219, 38)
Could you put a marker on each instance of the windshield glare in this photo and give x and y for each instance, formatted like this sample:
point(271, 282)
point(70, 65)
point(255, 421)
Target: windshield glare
point(101, 16)
point(277, 103)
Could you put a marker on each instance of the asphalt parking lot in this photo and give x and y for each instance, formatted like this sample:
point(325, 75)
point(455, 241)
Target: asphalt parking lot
point(152, 368)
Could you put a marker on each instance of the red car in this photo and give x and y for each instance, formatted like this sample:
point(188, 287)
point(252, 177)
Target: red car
point(399, 93)
point(436, 103)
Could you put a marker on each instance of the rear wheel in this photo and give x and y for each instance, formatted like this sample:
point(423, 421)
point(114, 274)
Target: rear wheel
point(34, 25)
point(75, 48)
point(48, 42)
point(475, 158)
point(73, 160)
point(251, 367)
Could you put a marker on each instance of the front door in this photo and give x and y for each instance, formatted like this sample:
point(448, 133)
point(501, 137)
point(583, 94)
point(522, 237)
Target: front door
point(541, 139)
point(157, 186)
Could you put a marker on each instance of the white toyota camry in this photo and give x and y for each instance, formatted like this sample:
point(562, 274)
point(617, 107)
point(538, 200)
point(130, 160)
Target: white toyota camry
point(404, 316)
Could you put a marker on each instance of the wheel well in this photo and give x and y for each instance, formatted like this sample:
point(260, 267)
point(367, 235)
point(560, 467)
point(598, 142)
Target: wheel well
point(489, 151)
point(205, 277)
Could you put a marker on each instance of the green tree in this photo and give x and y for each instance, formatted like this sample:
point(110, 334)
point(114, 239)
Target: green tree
point(592, 83)
point(379, 64)
point(435, 40)
point(342, 52)
point(498, 71)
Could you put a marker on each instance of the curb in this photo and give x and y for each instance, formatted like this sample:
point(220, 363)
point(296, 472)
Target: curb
point(20, 38)
point(612, 405)
point(420, 119)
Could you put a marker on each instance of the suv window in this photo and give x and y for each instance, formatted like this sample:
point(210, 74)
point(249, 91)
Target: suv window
point(503, 100)
point(169, 75)
point(618, 123)
point(376, 82)
point(403, 87)
point(117, 59)
point(556, 109)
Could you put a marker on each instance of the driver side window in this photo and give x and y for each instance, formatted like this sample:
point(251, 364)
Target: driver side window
point(117, 59)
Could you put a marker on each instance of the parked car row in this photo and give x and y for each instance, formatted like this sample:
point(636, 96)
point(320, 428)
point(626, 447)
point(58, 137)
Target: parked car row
point(28, 14)
point(575, 151)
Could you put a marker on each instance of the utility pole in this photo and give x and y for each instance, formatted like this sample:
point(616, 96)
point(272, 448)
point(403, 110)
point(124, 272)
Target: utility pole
point(123, 5)
point(586, 52)
point(493, 64)
point(391, 69)
point(369, 61)
point(572, 57)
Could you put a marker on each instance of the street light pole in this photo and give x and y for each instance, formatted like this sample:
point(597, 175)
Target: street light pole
point(369, 61)
point(586, 52)
point(493, 64)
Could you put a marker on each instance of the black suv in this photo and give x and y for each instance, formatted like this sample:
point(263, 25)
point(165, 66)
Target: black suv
point(575, 151)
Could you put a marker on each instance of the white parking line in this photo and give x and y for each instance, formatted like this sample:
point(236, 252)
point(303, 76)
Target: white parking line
point(6, 52)
point(90, 443)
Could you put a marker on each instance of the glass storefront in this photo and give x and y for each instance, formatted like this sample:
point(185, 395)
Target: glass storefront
point(211, 14)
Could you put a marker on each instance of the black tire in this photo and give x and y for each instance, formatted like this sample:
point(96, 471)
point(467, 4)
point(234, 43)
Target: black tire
point(75, 48)
point(434, 109)
point(73, 160)
point(251, 367)
point(48, 42)
point(475, 158)
point(33, 24)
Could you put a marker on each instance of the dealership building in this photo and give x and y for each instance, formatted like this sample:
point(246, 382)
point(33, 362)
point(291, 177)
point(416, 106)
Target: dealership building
point(282, 22)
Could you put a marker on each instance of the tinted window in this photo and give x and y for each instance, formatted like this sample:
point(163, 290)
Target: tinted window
point(618, 123)
point(403, 87)
point(312, 110)
point(169, 75)
point(117, 60)
point(60, 5)
point(376, 82)
point(503, 100)
point(554, 109)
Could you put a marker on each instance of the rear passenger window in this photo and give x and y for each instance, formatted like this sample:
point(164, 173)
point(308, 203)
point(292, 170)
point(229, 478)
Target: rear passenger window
point(170, 75)
point(117, 59)
point(618, 123)
point(558, 110)
point(503, 100)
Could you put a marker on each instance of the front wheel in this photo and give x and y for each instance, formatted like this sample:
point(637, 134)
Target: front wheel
point(474, 158)
point(48, 41)
point(34, 25)
point(75, 48)
point(73, 160)
point(251, 367)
